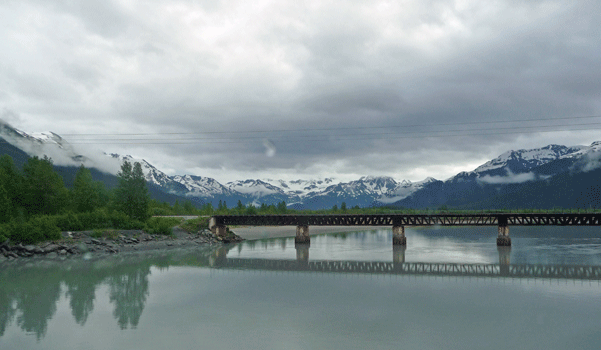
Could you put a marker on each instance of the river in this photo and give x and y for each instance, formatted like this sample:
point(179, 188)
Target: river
point(451, 288)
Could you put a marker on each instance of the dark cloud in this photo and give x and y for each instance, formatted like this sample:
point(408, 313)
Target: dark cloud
point(376, 79)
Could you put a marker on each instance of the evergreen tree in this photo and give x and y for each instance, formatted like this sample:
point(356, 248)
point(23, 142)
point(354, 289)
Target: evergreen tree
point(87, 194)
point(343, 207)
point(5, 205)
point(189, 208)
point(12, 180)
point(44, 191)
point(240, 206)
point(282, 207)
point(131, 195)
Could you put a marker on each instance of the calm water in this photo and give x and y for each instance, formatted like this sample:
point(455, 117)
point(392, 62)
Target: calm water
point(200, 299)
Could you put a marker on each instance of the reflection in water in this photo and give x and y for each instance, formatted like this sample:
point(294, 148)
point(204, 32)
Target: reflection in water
point(128, 290)
point(30, 290)
point(29, 294)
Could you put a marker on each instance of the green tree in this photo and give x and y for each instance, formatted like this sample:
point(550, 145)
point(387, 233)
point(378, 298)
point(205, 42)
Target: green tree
point(12, 180)
point(281, 208)
point(5, 205)
point(343, 207)
point(87, 194)
point(189, 209)
point(44, 191)
point(335, 208)
point(131, 195)
point(240, 206)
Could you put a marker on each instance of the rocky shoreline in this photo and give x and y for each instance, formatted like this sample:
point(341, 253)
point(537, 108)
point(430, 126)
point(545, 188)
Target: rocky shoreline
point(112, 242)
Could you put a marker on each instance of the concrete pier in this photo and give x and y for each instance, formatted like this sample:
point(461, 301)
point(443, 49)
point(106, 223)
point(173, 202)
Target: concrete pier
point(503, 239)
point(398, 235)
point(302, 234)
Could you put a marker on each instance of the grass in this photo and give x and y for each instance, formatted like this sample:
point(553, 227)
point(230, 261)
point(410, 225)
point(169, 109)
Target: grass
point(195, 225)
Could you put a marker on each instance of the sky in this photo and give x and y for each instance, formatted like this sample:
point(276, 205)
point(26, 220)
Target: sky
point(304, 89)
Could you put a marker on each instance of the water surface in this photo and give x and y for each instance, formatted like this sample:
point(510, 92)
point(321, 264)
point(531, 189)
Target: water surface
point(191, 299)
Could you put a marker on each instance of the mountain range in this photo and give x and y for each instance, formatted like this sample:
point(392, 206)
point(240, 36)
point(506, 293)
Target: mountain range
point(549, 176)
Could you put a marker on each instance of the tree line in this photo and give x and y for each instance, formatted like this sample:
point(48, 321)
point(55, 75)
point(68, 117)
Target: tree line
point(35, 204)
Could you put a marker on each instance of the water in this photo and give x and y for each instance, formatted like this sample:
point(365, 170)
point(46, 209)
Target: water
point(199, 299)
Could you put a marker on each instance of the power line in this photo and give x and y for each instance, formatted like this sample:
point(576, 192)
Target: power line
point(341, 128)
point(333, 138)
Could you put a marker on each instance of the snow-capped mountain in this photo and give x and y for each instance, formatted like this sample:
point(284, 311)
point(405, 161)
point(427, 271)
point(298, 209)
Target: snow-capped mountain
point(525, 159)
point(513, 174)
point(509, 171)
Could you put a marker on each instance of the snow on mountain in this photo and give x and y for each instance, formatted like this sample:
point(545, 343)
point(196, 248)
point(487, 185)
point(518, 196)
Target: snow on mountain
point(301, 188)
point(510, 167)
point(254, 188)
point(198, 186)
point(524, 159)
point(404, 190)
point(365, 186)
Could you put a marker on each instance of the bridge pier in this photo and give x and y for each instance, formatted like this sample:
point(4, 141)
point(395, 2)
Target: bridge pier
point(398, 235)
point(503, 239)
point(302, 234)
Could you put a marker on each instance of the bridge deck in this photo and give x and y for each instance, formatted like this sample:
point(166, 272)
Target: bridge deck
point(522, 219)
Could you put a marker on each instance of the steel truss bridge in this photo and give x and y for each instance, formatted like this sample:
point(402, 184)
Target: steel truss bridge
point(577, 272)
point(488, 219)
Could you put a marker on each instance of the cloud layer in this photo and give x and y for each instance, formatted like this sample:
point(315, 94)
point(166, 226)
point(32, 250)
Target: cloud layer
point(336, 87)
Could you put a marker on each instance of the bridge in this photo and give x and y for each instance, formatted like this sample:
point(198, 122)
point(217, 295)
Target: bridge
point(218, 223)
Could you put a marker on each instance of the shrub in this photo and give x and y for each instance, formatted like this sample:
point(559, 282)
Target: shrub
point(195, 225)
point(161, 226)
point(69, 222)
point(35, 230)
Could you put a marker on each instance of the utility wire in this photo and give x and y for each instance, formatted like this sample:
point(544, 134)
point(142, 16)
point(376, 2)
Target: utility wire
point(332, 138)
point(331, 129)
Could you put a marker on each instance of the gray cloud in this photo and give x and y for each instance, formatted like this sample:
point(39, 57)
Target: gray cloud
point(189, 67)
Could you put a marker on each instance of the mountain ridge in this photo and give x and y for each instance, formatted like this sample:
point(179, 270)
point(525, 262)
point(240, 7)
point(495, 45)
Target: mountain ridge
point(511, 168)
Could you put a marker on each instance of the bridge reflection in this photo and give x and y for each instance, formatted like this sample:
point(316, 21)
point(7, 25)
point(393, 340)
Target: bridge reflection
point(398, 266)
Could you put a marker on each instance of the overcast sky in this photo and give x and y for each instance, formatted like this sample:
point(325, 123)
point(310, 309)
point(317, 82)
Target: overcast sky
point(303, 89)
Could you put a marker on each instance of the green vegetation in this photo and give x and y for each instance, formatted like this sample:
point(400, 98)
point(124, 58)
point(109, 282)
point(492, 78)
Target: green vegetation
point(36, 206)
point(197, 224)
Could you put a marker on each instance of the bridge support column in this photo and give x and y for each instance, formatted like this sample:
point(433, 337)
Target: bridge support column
point(398, 235)
point(503, 239)
point(302, 234)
